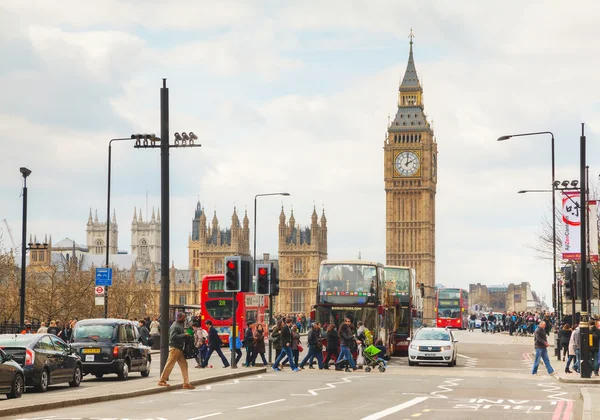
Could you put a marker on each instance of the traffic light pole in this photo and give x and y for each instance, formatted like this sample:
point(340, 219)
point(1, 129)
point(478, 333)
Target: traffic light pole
point(233, 335)
point(586, 371)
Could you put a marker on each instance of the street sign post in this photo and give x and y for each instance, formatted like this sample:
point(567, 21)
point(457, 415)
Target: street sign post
point(104, 276)
point(99, 292)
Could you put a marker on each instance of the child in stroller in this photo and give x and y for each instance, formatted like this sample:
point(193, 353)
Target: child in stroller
point(372, 359)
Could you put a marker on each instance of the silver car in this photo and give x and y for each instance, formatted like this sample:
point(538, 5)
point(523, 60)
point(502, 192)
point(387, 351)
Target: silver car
point(433, 345)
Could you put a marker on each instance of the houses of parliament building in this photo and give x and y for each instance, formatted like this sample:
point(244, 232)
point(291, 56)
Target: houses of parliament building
point(300, 252)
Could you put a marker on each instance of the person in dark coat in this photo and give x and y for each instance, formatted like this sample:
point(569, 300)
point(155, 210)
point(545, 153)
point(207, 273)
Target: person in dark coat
point(333, 343)
point(249, 343)
point(564, 337)
point(214, 343)
point(259, 344)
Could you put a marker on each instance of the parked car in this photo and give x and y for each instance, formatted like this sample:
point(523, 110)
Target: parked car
point(433, 345)
point(111, 346)
point(45, 359)
point(12, 377)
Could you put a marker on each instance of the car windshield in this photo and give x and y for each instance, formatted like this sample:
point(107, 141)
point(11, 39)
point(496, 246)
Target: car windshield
point(93, 332)
point(439, 335)
point(16, 340)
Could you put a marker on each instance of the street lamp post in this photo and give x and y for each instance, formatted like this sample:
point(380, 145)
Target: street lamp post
point(25, 172)
point(108, 217)
point(254, 265)
point(502, 138)
point(148, 141)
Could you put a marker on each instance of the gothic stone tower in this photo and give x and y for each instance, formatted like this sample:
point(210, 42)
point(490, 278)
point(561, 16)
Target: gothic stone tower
point(145, 239)
point(300, 254)
point(209, 245)
point(96, 235)
point(410, 174)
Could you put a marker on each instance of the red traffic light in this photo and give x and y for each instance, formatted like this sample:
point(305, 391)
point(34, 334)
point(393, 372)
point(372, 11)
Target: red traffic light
point(231, 265)
point(262, 271)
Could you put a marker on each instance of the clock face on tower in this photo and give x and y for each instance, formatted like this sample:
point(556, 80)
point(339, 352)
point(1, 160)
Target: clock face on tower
point(407, 163)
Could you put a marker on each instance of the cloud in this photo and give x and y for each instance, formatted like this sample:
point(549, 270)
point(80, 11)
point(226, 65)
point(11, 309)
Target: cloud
point(295, 98)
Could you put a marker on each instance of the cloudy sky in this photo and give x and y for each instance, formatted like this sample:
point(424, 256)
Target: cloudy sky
point(295, 97)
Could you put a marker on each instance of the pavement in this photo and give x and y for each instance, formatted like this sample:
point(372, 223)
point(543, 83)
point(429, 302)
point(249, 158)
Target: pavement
point(492, 380)
point(110, 388)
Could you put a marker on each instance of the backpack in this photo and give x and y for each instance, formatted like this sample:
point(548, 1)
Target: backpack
point(189, 350)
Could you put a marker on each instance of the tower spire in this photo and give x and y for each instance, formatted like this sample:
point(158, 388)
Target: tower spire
point(410, 80)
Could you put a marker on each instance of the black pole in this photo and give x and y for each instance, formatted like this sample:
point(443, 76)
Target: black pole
point(23, 252)
point(555, 285)
point(233, 334)
point(573, 295)
point(107, 228)
point(164, 226)
point(586, 370)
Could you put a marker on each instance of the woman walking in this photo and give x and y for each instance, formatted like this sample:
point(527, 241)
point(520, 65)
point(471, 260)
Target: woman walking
point(333, 343)
point(259, 344)
point(565, 337)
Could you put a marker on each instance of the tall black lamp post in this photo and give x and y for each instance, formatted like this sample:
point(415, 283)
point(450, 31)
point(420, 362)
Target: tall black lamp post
point(254, 265)
point(502, 138)
point(143, 142)
point(107, 262)
point(25, 172)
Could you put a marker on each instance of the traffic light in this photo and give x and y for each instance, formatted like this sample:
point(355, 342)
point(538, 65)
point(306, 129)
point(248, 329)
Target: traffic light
point(274, 282)
point(233, 274)
point(569, 292)
point(263, 281)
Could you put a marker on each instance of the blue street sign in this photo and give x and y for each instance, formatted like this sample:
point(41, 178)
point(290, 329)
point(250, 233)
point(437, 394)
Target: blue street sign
point(104, 277)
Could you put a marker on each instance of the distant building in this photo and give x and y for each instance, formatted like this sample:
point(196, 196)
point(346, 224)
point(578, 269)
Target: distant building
point(301, 251)
point(209, 244)
point(514, 297)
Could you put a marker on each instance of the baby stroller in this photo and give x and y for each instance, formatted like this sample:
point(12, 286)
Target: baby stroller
point(372, 361)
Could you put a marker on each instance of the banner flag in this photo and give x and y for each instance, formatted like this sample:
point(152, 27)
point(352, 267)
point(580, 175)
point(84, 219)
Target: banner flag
point(571, 208)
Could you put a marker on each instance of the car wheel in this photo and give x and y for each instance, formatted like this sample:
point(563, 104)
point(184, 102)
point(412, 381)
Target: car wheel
point(411, 363)
point(44, 380)
point(77, 375)
point(99, 375)
point(17, 388)
point(146, 372)
point(124, 372)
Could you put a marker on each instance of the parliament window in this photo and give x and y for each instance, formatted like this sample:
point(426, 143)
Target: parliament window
point(298, 266)
point(218, 267)
point(297, 301)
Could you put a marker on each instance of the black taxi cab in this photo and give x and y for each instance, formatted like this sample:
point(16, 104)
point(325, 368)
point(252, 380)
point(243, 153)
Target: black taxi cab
point(111, 346)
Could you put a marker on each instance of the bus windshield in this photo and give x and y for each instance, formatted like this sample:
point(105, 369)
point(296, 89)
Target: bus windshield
point(219, 309)
point(399, 276)
point(348, 283)
point(449, 294)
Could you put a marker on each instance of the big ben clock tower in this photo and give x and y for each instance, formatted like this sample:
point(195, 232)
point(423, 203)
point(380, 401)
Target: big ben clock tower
point(410, 162)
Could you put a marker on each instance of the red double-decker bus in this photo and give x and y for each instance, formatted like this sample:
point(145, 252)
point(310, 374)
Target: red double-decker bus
point(216, 305)
point(452, 309)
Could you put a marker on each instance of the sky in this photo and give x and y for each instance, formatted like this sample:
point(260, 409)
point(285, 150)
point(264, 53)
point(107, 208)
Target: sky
point(295, 97)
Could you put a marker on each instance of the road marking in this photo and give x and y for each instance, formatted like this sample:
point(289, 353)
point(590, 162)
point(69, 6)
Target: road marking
point(313, 392)
point(449, 383)
point(258, 405)
point(395, 409)
point(558, 411)
point(462, 355)
point(554, 390)
point(205, 416)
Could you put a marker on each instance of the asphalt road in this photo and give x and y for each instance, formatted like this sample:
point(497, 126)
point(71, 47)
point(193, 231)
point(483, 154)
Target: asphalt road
point(492, 381)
